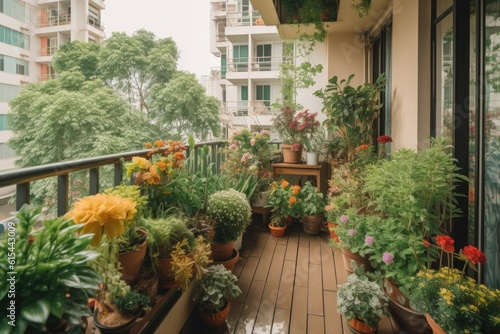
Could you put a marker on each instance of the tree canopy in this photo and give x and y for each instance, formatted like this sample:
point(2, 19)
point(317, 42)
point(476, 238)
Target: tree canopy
point(78, 56)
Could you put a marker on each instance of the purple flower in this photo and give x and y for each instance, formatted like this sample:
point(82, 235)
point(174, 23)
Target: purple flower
point(369, 240)
point(352, 232)
point(388, 258)
point(344, 218)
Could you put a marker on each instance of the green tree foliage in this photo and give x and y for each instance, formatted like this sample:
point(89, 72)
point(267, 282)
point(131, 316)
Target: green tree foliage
point(69, 118)
point(78, 56)
point(182, 107)
point(133, 64)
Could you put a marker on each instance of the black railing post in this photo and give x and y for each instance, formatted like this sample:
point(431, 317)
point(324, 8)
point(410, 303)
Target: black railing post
point(93, 181)
point(118, 173)
point(22, 195)
point(62, 194)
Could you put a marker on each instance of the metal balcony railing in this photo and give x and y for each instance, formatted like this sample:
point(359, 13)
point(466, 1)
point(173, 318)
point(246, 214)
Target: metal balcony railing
point(48, 51)
point(21, 178)
point(94, 22)
point(55, 21)
point(45, 77)
point(256, 64)
point(219, 6)
point(244, 19)
point(248, 108)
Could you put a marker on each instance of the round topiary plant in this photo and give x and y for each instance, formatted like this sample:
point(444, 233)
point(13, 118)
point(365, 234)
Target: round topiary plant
point(231, 212)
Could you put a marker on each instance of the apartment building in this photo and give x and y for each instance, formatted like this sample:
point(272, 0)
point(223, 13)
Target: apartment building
point(30, 32)
point(250, 56)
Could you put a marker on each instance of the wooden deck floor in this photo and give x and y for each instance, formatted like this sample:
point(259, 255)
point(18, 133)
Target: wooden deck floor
point(288, 285)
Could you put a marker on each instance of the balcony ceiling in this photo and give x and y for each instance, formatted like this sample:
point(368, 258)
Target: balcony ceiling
point(347, 20)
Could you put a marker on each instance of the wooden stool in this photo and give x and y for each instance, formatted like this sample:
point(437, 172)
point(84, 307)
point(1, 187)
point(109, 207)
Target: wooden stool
point(262, 211)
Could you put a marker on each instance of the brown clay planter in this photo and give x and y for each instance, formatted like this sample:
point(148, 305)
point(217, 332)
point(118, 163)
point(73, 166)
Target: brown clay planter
point(229, 264)
point(214, 320)
point(347, 256)
point(277, 231)
point(131, 262)
point(289, 156)
point(436, 329)
point(359, 326)
point(167, 279)
point(333, 235)
point(222, 251)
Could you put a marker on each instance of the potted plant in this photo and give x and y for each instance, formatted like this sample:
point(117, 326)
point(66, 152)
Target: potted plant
point(452, 302)
point(313, 145)
point(292, 128)
point(106, 215)
point(213, 291)
point(167, 235)
point(311, 207)
point(133, 242)
point(363, 303)
point(351, 111)
point(261, 193)
point(47, 278)
point(282, 201)
point(231, 213)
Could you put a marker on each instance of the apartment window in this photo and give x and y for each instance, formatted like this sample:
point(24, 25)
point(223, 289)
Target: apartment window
point(2, 63)
point(13, 37)
point(264, 52)
point(6, 152)
point(20, 69)
point(223, 66)
point(13, 8)
point(3, 122)
point(94, 17)
point(243, 101)
point(263, 93)
point(240, 58)
point(8, 92)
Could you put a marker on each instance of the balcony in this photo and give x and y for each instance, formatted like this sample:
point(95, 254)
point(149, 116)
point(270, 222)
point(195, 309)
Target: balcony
point(49, 51)
point(52, 21)
point(248, 108)
point(244, 19)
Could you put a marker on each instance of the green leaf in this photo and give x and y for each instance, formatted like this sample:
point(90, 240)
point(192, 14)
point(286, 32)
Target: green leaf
point(36, 311)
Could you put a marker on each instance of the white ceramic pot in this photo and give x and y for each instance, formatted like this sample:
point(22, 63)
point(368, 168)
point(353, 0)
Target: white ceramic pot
point(312, 158)
point(238, 243)
point(260, 199)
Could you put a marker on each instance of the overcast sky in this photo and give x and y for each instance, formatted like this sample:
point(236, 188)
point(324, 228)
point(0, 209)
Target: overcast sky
point(186, 21)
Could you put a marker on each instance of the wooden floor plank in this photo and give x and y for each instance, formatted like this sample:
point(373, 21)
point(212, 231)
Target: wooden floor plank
point(246, 277)
point(285, 294)
point(291, 247)
point(303, 240)
point(333, 322)
point(328, 267)
point(281, 322)
point(250, 308)
point(265, 260)
point(234, 316)
point(276, 268)
point(264, 321)
point(315, 324)
point(302, 267)
point(259, 245)
point(298, 322)
point(315, 291)
point(315, 249)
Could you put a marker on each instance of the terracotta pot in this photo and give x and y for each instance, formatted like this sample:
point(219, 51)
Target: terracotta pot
point(312, 224)
point(229, 264)
point(407, 319)
point(395, 294)
point(131, 262)
point(359, 326)
point(277, 231)
point(119, 329)
point(222, 251)
point(167, 277)
point(436, 329)
point(333, 235)
point(214, 320)
point(347, 256)
point(289, 156)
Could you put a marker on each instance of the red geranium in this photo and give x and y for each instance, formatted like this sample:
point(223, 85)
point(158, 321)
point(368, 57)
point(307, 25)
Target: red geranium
point(474, 255)
point(384, 139)
point(446, 242)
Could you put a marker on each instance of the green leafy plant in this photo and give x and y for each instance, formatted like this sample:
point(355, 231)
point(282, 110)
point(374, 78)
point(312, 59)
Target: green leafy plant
point(231, 214)
point(310, 201)
point(294, 128)
point(361, 298)
point(351, 111)
point(131, 302)
point(52, 280)
point(215, 287)
point(283, 201)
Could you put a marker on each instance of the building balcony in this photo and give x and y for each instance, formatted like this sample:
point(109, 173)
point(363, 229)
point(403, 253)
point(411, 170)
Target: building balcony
point(218, 9)
point(248, 108)
point(244, 19)
point(99, 4)
point(49, 51)
point(52, 21)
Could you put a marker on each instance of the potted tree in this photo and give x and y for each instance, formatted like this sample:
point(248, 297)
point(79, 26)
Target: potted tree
point(53, 279)
point(363, 303)
point(311, 207)
point(230, 213)
point(213, 290)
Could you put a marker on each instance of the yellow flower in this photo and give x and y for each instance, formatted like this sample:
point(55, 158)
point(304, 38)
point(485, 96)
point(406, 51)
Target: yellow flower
point(151, 177)
point(102, 214)
point(137, 164)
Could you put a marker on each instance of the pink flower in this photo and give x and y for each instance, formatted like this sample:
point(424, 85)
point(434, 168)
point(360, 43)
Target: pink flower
point(369, 240)
point(252, 141)
point(352, 232)
point(265, 132)
point(388, 258)
point(232, 147)
point(295, 147)
point(344, 219)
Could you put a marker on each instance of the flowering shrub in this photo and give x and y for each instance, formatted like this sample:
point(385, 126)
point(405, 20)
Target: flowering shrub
point(294, 128)
point(231, 213)
point(283, 200)
point(457, 303)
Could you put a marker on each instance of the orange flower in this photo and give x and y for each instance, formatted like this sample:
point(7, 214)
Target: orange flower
point(284, 183)
point(179, 156)
point(295, 190)
point(161, 165)
point(151, 177)
point(363, 147)
point(292, 200)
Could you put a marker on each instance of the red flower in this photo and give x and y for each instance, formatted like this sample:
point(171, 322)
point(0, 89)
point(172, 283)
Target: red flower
point(30, 240)
point(363, 147)
point(446, 242)
point(474, 255)
point(384, 139)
